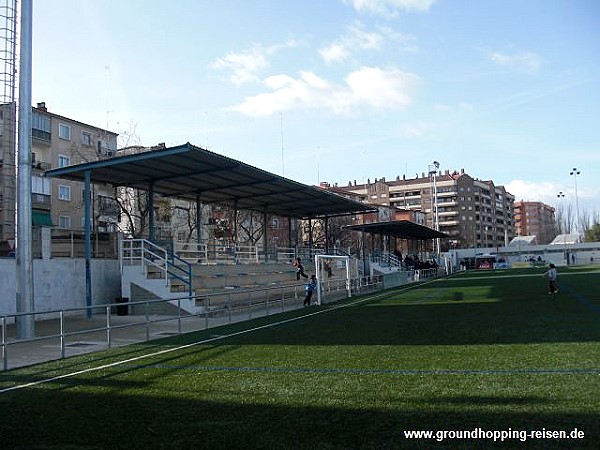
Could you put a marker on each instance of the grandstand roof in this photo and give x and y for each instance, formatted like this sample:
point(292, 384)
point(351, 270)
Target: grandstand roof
point(563, 239)
point(524, 240)
point(402, 229)
point(191, 173)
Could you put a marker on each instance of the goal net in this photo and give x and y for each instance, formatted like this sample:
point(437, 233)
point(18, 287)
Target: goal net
point(333, 277)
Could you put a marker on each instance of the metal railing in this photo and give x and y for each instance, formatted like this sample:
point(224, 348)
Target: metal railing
point(71, 244)
point(211, 253)
point(388, 260)
point(152, 258)
point(213, 310)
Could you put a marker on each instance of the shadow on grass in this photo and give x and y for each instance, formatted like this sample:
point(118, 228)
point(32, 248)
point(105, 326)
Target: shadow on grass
point(116, 419)
point(433, 324)
point(41, 372)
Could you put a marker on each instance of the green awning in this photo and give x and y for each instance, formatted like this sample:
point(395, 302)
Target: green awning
point(41, 219)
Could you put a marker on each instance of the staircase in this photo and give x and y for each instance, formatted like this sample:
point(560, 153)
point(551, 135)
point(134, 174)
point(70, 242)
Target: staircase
point(386, 263)
point(153, 269)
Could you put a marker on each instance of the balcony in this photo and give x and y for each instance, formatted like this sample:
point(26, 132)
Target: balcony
point(41, 165)
point(447, 202)
point(449, 223)
point(447, 213)
point(40, 135)
point(108, 206)
point(41, 201)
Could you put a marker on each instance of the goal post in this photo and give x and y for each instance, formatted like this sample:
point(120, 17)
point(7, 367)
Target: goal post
point(333, 277)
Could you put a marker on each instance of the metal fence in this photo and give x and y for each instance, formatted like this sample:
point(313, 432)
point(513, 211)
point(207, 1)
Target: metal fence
point(66, 332)
point(71, 244)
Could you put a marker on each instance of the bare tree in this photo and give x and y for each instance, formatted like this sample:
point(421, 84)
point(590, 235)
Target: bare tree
point(564, 219)
point(251, 228)
point(129, 137)
point(134, 207)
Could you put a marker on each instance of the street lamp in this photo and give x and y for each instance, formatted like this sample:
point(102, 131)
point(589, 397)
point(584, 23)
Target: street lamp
point(574, 173)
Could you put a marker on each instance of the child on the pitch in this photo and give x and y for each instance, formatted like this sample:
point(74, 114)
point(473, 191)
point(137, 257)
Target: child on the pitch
point(310, 287)
point(551, 275)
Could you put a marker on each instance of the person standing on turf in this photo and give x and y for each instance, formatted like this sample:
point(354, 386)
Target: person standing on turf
point(310, 287)
point(299, 269)
point(551, 275)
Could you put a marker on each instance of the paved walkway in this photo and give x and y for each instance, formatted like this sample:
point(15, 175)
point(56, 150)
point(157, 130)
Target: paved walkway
point(86, 335)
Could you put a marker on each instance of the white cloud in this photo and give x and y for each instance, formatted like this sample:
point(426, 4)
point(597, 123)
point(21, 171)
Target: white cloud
point(245, 66)
point(357, 39)
point(390, 8)
point(532, 191)
point(414, 130)
point(335, 52)
point(546, 192)
point(461, 106)
point(382, 88)
point(527, 61)
point(370, 87)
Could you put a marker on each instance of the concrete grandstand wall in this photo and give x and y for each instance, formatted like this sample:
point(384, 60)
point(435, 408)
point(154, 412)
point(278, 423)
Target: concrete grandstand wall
point(60, 283)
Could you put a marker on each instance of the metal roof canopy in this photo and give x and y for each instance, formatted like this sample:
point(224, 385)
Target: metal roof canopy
point(193, 173)
point(402, 229)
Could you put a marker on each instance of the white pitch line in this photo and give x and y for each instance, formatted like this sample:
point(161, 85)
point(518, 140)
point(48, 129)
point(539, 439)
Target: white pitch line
point(525, 275)
point(181, 347)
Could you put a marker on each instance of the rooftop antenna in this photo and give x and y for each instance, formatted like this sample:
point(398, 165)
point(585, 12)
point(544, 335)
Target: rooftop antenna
point(318, 164)
point(282, 161)
point(206, 130)
point(107, 93)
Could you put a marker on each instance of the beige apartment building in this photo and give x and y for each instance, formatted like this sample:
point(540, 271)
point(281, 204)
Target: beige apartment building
point(535, 219)
point(57, 141)
point(474, 213)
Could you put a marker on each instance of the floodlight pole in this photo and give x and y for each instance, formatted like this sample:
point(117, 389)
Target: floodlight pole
point(24, 255)
point(87, 242)
point(560, 196)
point(574, 173)
point(436, 221)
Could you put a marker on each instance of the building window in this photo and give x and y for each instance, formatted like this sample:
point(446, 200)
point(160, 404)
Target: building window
point(63, 161)
point(64, 222)
point(64, 192)
point(86, 139)
point(64, 131)
point(40, 185)
point(41, 127)
point(40, 122)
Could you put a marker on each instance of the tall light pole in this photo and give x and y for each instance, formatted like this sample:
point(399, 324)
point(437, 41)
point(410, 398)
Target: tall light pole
point(24, 259)
point(560, 196)
point(559, 207)
point(434, 204)
point(574, 173)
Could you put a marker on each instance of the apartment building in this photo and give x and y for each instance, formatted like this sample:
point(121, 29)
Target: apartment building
point(57, 141)
point(473, 212)
point(535, 219)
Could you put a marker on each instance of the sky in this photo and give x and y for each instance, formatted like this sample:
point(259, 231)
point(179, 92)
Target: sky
point(341, 90)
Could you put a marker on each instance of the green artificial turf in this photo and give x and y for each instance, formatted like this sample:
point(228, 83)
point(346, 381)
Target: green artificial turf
point(481, 350)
